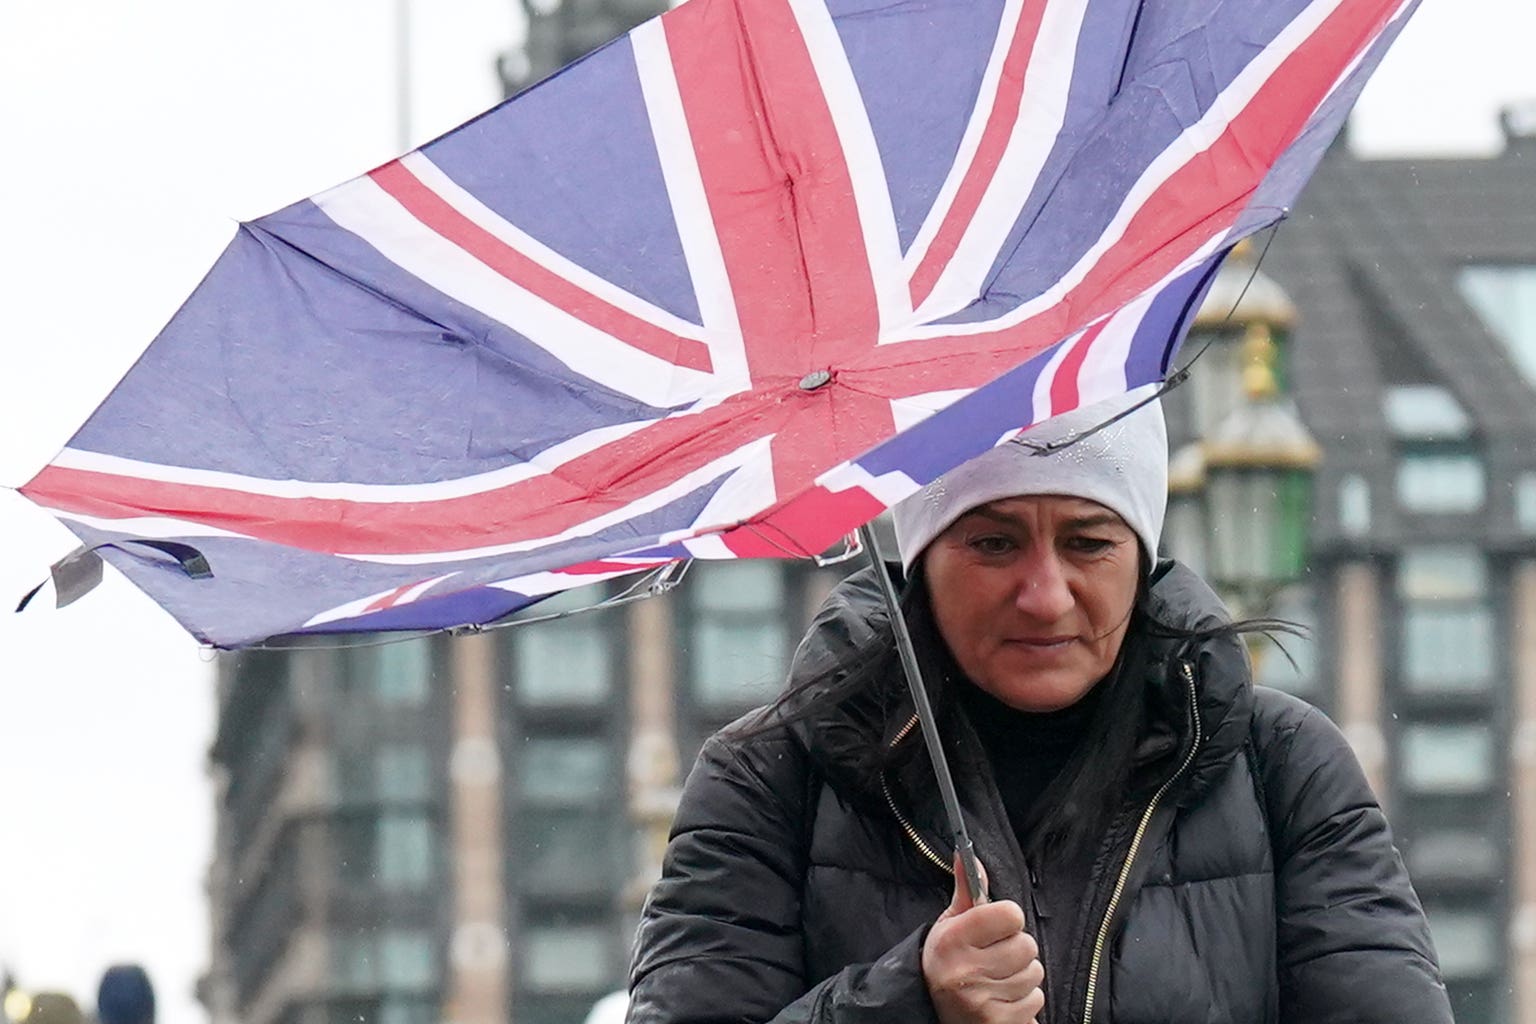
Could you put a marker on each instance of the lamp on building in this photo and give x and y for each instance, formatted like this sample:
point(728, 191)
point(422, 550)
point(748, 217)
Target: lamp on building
point(1258, 464)
point(1240, 477)
point(15, 1003)
point(1240, 296)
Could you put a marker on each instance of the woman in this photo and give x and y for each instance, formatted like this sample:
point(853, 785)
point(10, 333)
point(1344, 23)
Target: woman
point(1163, 842)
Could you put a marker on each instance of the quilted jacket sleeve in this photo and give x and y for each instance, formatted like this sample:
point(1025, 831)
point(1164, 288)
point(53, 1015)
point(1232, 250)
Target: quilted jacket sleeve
point(1353, 942)
point(720, 938)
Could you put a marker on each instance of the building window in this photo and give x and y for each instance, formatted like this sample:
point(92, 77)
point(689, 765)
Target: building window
point(1425, 412)
point(567, 662)
point(398, 1010)
point(394, 959)
point(407, 960)
point(1467, 941)
point(407, 847)
point(567, 957)
point(403, 671)
point(565, 828)
point(1442, 573)
point(354, 962)
point(1447, 759)
point(570, 771)
point(1447, 648)
point(740, 643)
point(568, 852)
point(1440, 483)
point(1447, 855)
point(390, 674)
point(353, 777)
point(1447, 621)
point(1436, 474)
point(392, 774)
point(1355, 505)
point(1525, 502)
point(392, 852)
point(1505, 298)
point(404, 774)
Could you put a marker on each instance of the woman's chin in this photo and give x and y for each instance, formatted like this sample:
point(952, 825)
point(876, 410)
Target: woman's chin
point(1040, 693)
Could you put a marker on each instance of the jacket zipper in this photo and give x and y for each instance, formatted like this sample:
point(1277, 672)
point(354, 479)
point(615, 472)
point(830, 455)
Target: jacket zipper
point(901, 819)
point(1096, 964)
point(930, 854)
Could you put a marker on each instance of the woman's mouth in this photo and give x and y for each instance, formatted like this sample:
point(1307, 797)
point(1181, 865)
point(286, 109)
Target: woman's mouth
point(1043, 643)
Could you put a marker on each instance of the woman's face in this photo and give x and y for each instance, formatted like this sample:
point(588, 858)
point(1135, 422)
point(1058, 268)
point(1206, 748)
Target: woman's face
point(1033, 596)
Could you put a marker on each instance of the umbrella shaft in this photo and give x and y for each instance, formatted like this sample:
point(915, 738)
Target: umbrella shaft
point(930, 725)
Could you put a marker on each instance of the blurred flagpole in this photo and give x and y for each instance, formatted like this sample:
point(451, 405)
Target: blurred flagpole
point(403, 73)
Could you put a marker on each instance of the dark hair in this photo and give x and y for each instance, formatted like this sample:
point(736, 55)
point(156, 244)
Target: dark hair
point(1076, 808)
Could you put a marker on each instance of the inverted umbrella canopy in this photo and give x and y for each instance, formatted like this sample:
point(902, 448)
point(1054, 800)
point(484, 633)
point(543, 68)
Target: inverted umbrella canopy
point(726, 288)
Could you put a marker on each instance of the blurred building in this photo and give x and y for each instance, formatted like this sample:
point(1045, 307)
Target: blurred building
point(1399, 301)
point(462, 829)
point(562, 31)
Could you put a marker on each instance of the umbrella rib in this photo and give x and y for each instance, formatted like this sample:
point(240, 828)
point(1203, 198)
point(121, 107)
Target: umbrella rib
point(266, 236)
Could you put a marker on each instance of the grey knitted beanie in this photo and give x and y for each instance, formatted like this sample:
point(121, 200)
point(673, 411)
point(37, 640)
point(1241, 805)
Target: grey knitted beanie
point(1123, 467)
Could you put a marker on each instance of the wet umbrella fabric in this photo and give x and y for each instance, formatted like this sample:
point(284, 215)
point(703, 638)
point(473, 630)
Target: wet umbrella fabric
point(726, 288)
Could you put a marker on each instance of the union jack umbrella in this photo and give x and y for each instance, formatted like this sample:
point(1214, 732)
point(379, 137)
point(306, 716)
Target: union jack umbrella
point(728, 287)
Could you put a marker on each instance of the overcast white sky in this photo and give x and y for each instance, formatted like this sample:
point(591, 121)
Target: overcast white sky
point(135, 135)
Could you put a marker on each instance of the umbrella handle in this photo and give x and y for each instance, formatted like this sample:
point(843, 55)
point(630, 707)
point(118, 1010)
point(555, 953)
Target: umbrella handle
point(930, 725)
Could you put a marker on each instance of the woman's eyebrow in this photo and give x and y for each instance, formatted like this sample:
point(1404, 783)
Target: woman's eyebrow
point(1096, 519)
point(994, 515)
point(1086, 521)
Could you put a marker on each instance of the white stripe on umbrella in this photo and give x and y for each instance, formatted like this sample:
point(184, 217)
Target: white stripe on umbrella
point(1189, 146)
point(367, 210)
point(690, 208)
point(1047, 86)
point(970, 140)
point(871, 189)
point(545, 462)
point(429, 174)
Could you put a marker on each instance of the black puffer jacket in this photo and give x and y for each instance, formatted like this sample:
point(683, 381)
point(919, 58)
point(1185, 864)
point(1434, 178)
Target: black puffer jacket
point(1252, 879)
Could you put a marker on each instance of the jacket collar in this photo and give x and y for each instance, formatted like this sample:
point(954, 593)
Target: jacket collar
point(1222, 676)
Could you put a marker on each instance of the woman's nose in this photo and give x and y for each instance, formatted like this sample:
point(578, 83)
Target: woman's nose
point(1043, 592)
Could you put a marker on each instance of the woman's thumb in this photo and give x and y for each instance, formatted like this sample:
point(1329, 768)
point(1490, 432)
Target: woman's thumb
point(961, 901)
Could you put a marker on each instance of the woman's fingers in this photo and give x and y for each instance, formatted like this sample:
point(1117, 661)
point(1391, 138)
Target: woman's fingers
point(999, 1007)
point(1016, 986)
point(1013, 957)
point(986, 924)
point(981, 966)
point(1025, 1009)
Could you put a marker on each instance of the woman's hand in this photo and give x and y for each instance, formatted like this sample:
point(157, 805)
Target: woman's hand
point(980, 965)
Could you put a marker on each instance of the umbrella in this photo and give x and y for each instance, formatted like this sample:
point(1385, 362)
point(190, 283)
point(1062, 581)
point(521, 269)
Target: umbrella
point(728, 287)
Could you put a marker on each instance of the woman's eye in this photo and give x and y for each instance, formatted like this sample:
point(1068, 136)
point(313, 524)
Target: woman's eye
point(1090, 545)
point(992, 545)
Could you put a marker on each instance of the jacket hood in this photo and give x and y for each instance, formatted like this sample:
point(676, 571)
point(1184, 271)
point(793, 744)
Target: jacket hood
point(853, 619)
